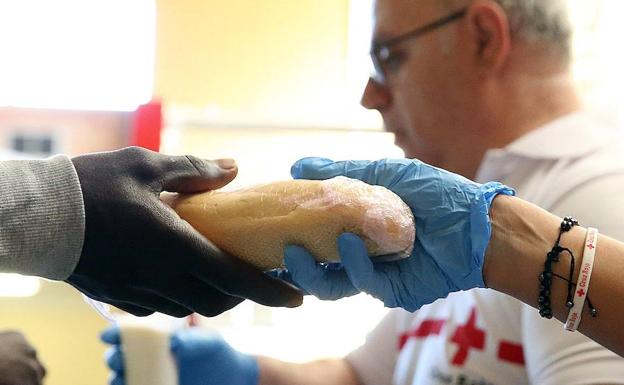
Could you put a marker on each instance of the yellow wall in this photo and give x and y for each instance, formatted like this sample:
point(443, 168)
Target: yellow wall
point(64, 330)
point(250, 54)
point(239, 54)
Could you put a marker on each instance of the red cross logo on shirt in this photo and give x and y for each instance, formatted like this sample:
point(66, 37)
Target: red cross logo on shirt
point(581, 292)
point(466, 337)
point(590, 246)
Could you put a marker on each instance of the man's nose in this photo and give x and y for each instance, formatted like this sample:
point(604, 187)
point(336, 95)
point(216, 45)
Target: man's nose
point(375, 96)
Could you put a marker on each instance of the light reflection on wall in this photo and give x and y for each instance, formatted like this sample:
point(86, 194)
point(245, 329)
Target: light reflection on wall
point(598, 59)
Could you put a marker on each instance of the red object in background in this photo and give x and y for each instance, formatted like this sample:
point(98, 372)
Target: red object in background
point(147, 125)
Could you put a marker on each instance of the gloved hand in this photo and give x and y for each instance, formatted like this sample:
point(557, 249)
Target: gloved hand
point(19, 364)
point(203, 358)
point(452, 235)
point(139, 256)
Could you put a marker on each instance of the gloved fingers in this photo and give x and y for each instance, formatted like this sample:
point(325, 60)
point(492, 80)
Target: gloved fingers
point(358, 265)
point(114, 359)
point(117, 380)
point(384, 172)
point(198, 296)
point(322, 281)
point(323, 168)
point(188, 174)
point(194, 342)
point(111, 336)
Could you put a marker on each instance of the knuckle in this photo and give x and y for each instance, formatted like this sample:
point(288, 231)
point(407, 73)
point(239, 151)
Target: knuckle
point(139, 155)
point(135, 151)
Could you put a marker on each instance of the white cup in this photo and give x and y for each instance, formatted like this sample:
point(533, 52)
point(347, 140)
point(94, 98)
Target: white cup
point(147, 354)
point(145, 343)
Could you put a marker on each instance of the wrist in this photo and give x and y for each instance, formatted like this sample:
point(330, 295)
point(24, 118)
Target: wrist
point(516, 245)
point(480, 229)
point(522, 234)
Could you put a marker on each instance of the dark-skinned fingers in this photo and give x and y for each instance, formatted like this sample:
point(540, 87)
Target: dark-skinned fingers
point(203, 298)
point(188, 174)
point(238, 278)
point(222, 271)
point(140, 302)
point(154, 302)
point(38, 366)
point(97, 292)
point(198, 296)
point(38, 370)
point(137, 311)
point(31, 373)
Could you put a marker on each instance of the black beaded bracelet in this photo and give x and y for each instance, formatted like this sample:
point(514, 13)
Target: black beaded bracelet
point(545, 278)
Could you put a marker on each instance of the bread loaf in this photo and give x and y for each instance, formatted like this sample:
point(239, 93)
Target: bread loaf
point(256, 223)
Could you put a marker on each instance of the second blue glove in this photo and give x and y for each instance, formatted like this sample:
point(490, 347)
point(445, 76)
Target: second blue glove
point(202, 357)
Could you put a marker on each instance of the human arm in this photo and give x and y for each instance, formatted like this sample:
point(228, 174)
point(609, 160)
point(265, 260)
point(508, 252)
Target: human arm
point(521, 235)
point(19, 364)
point(322, 372)
point(97, 223)
point(204, 358)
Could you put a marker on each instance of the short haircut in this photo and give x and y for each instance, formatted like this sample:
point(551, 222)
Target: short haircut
point(544, 21)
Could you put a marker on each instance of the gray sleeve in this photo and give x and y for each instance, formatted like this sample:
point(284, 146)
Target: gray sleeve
point(42, 218)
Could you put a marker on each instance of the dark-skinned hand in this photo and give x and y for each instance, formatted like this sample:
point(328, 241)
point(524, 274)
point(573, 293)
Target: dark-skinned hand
point(139, 256)
point(19, 364)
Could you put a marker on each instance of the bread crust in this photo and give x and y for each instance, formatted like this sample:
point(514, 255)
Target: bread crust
point(255, 224)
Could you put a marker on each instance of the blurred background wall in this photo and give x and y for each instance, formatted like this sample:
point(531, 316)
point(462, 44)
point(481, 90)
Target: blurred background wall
point(265, 82)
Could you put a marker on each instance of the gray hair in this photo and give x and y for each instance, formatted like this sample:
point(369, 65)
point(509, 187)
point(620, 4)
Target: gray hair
point(539, 21)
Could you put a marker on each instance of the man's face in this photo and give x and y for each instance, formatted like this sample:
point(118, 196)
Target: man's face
point(426, 89)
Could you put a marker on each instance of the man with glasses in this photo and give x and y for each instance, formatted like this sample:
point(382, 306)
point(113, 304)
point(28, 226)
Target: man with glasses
point(481, 88)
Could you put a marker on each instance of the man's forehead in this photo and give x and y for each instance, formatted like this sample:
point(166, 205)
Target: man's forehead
point(392, 17)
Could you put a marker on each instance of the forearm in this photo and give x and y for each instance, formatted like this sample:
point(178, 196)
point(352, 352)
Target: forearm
point(522, 234)
point(324, 372)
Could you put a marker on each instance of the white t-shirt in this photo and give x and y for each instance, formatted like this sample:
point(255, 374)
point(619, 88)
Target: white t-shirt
point(572, 166)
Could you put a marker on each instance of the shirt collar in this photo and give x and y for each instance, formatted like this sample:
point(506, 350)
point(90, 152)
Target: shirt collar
point(570, 136)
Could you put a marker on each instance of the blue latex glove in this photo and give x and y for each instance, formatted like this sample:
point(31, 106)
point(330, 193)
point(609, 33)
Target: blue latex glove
point(452, 234)
point(203, 358)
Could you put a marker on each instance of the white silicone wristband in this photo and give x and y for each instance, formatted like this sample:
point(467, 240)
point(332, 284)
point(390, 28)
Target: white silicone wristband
point(582, 283)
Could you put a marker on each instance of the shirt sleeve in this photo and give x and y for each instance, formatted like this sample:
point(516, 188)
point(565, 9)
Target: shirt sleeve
point(42, 217)
point(374, 361)
point(553, 355)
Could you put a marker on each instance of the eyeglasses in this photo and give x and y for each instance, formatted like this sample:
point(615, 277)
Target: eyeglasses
point(381, 54)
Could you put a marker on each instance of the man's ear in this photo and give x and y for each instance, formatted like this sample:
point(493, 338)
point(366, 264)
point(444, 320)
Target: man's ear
point(489, 30)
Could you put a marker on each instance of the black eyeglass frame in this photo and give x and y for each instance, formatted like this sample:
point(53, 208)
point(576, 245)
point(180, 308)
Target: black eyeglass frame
point(380, 51)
